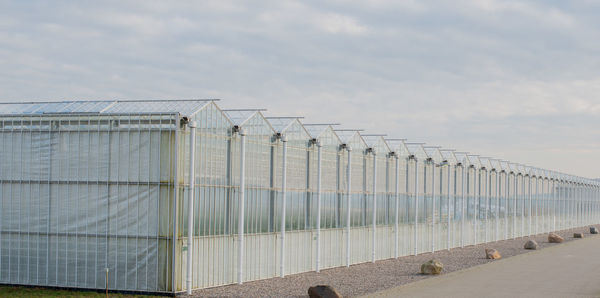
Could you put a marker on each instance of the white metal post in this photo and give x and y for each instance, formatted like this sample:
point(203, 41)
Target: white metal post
point(374, 238)
point(416, 237)
point(396, 195)
point(553, 203)
point(477, 189)
point(318, 256)
point(192, 179)
point(242, 198)
point(542, 209)
point(488, 180)
point(283, 205)
point(454, 197)
point(448, 207)
point(568, 203)
point(537, 203)
point(577, 203)
point(515, 207)
point(432, 206)
point(577, 200)
point(462, 205)
point(506, 196)
point(545, 185)
point(522, 196)
point(348, 190)
point(497, 214)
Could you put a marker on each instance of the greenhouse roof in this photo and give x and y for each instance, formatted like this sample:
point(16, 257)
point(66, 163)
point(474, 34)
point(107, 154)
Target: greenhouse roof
point(346, 135)
point(505, 165)
point(461, 157)
point(496, 164)
point(449, 156)
point(184, 107)
point(486, 163)
point(474, 160)
point(322, 131)
point(280, 124)
point(398, 146)
point(239, 117)
point(513, 167)
point(377, 142)
point(417, 150)
point(315, 130)
point(434, 153)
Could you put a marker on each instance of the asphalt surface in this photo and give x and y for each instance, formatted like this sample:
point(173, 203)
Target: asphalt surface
point(569, 269)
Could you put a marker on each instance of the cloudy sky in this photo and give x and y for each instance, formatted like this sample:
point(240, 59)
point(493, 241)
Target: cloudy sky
point(513, 80)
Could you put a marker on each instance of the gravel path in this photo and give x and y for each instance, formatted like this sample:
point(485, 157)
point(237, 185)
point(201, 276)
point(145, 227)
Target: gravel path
point(367, 278)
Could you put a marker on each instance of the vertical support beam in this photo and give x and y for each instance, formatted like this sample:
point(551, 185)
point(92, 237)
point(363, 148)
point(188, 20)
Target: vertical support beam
point(318, 255)
point(530, 206)
point(577, 200)
point(425, 211)
point(175, 205)
point(477, 202)
point(497, 213)
point(416, 237)
point(374, 223)
point(488, 180)
point(242, 198)
point(537, 203)
point(348, 191)
point(462, 205)
point(440, 198)
point(553, 193)
point(522, 209)
point(283, 205)
point(432, 206)
point(506, 196)
point(569, 203)
point(396, 196)
point(454, 199)
point(192, 180)
point(448, 206)
point(542, 205)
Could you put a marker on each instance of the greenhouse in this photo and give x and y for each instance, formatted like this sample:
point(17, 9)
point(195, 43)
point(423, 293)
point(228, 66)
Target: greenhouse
point(170, 196)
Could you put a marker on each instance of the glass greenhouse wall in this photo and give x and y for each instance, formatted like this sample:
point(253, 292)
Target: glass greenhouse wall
point(165, 196)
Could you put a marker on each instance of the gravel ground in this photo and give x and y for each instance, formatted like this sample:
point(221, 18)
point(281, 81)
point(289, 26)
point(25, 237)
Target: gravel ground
point(367, 278)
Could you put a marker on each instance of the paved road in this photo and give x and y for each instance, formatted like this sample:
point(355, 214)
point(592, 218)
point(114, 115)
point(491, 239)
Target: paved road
point(568, 270)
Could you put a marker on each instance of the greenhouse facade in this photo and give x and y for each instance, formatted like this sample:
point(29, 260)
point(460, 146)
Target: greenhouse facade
point(168, 196)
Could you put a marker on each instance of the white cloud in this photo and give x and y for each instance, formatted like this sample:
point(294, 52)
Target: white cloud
point(336, 23)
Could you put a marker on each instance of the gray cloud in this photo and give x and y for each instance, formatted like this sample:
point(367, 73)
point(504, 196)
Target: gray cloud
point(516, 80)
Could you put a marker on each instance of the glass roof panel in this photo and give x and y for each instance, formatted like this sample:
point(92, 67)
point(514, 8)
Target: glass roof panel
point(485, 162)
point(346, 135)
point(398, 146)
point(449, 156)
point(474, 160)
point(372, 141)
point(184, 107)
point(514, 167)
point(377, 142)
point(316, 130)
point(32, 108)
point(280, 124)
point(461, 157)
point(417, 150)
point(171, 106)
point(496, 164)
point(434, 153)
point(238, 117)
